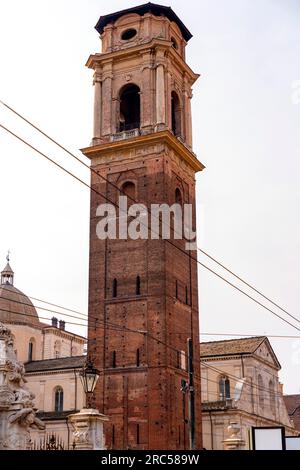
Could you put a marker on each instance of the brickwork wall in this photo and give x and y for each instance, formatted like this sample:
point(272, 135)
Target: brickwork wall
point(146, 407)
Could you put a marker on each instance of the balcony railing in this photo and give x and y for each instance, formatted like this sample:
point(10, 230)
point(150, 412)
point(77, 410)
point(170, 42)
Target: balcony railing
point(125, 135)
point(217, 405)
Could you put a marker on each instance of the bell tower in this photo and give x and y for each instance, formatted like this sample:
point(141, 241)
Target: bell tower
point(143, 293)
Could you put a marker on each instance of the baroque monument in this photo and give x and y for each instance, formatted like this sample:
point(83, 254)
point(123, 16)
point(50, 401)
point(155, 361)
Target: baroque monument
point(17, 409)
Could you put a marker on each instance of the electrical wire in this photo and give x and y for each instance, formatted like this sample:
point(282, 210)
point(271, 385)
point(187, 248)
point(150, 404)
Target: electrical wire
point(238, 335)
point(119, 328)
point(71, 174)
point(167, 241)
point(135, 201)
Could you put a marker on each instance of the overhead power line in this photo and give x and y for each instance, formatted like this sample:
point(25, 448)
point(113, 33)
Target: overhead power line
point(37, 128)
point(85, 319)
point(119, 328)
point(167, 241)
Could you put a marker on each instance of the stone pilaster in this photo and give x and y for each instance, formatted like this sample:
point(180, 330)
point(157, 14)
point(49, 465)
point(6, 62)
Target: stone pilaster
point(97, 108)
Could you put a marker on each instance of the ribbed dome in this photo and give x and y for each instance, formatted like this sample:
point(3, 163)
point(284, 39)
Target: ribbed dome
point(15, 307)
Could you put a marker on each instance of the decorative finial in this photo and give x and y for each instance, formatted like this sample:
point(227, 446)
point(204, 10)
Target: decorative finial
point(8, 256)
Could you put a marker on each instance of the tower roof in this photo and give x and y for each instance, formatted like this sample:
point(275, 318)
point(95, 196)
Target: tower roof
point(157, 10)
point(7, 269)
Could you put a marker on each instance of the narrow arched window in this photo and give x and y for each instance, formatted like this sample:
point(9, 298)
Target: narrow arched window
point(261, 398)
point(174, 43)
point(128, 189)
point(58, 400)
point(176, 114)
point(224, 388)
point(113, 438)
point(57, 349)
point(114, 359)
point(272, 396)
point(138, 286)
point(138, 434)
point(138, 359)
point(178, 196)
point(115, 288)
point(178, 357)
point(31, 350)
point(186, 295)
point(176, 289)
point(129, 108)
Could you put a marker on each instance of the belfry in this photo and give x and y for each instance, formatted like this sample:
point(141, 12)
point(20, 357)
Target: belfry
point(143, 293)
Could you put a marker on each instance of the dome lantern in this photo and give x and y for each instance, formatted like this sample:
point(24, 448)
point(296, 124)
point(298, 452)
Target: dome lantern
point(15, 307)
point(7, 275)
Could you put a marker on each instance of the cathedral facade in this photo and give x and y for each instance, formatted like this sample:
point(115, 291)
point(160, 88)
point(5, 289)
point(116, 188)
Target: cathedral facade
point(53, 358)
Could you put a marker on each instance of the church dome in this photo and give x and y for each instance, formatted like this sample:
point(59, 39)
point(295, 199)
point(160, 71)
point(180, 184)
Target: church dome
point(15, 307)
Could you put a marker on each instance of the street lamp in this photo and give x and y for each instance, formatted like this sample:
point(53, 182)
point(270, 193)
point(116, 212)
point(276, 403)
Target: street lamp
point(89, 376)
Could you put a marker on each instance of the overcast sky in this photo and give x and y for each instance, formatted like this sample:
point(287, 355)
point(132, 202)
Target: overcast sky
point(246, 132)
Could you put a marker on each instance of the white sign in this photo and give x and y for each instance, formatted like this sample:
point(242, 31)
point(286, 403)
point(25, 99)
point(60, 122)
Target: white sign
point(292, 443)
point(268, 438)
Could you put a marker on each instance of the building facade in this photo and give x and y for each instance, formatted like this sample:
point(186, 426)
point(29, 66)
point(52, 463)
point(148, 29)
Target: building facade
point(240, 389)
point(143, 293)
point(53, 358)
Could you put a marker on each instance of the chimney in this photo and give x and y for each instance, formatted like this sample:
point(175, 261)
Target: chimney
point(54, 321)
point(62, 324)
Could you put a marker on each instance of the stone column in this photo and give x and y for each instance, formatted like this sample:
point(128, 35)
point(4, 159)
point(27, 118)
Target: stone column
point(17, 411)
point(169, 100)
point(146, 94)
point(187, 93)
point(160, 97)
point(189, 136)
point(107, 117)
point(97, 108)
point(88, 433)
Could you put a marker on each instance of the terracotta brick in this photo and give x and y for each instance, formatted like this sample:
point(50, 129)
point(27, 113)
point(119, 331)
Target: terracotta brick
point(144, 402)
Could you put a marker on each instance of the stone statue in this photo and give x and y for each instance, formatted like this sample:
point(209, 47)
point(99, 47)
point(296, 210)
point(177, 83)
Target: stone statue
point(17, 409)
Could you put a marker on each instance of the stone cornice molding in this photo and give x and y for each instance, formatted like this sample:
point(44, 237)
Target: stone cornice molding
point(101, 59)
point(53, 372)
point(164, 136)
point(63, 334)
point(247, 414)
point(238, 356)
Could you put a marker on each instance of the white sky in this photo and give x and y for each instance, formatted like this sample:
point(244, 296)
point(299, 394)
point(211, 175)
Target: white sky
point(246, 132)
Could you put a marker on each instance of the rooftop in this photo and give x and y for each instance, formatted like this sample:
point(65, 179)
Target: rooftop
point(231, 346)
point(75, 362)
point(292, 403)
point(157, 10)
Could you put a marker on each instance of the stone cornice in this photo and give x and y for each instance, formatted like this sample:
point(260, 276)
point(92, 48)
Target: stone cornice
point(225, 357)
point(164, 136)
point(237, 356)
point(237, 411)
point(95, 60)
point(67, 370)
point(63, 334)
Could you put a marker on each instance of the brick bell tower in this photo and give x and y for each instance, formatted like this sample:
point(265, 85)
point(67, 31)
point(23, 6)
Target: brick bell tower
point(142, 145)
